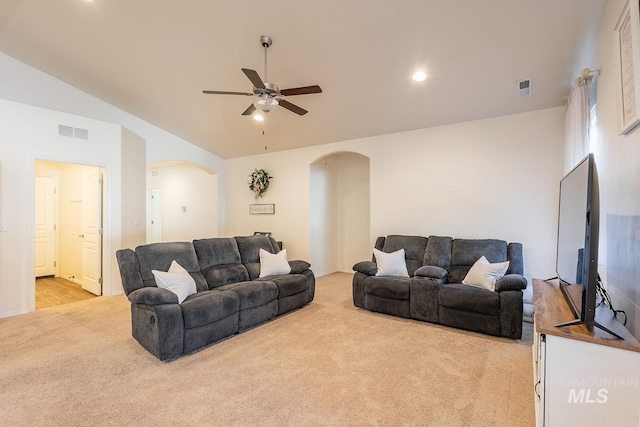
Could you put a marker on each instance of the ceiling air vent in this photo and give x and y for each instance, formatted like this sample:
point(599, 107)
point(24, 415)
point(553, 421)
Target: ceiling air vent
point(524, 88)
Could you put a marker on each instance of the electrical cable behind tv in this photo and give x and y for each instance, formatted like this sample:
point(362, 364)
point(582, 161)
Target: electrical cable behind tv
point(605, 300)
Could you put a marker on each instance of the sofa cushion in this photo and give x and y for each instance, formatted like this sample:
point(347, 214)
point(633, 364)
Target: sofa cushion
point(216, 251)
point(289, 284)
point(514, 255)
point(219, 260)
point(438, 252)
point(299, 266)
point(366, 267)
point(207, 307)
point(513, 282)
point(391, 264)
point(223, 274)
point(414, 248)
point(159, 256)
point(465, 252)
point(252, 294)
point(249, 247)
point(468, 251)
point(467, 298)
point(152, 295)
point(388, 287)
point(431, 271)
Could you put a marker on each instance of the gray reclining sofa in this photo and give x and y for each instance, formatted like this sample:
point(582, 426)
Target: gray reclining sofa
point(434, 291)
point(230, 296)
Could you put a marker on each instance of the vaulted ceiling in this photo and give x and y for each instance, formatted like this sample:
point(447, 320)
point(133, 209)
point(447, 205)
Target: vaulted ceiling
point(153, 58)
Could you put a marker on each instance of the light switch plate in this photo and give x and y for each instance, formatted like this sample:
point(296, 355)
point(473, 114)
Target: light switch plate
point(3, 226)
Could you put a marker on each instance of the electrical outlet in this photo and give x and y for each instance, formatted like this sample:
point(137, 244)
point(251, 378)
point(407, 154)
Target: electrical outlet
point(3, 226)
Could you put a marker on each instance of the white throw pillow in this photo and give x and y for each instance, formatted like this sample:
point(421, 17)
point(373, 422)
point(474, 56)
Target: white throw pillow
point(392, 264)
point(274, 264)
point(484, 274)
point(177, 280)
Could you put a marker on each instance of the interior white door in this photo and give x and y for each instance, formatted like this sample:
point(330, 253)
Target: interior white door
point(44, 226)
point(155, 216)
point(92, 230)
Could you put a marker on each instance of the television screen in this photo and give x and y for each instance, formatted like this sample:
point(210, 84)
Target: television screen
point(572, 230)
point(578, 232)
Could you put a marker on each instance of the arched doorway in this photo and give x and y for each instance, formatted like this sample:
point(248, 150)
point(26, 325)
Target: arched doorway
point(339, 219)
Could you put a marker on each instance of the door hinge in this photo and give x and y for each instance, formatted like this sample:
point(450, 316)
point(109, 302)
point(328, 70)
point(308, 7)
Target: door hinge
point(55, 227)
point(55, 263)
point(100, 280)
point(100, 182)
point(55, 190)
point(100, 230)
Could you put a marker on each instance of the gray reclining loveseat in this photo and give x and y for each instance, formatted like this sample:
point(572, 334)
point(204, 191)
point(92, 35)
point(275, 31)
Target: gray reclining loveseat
point(230, 296)
point(434, 291)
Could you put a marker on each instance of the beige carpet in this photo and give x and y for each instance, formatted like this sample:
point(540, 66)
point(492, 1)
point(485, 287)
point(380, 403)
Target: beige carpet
point(325, 364)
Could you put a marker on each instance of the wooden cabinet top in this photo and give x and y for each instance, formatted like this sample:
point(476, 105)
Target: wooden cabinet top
point(551, 309)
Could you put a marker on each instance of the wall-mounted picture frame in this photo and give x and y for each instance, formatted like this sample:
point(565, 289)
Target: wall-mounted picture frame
point(262, 209)
point(627, 66)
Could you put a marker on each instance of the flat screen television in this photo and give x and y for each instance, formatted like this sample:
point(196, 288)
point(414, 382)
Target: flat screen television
point(577, 255)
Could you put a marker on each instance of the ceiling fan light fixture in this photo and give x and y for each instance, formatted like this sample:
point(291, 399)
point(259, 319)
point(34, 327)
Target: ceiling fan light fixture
point(266, 104)
point(419, 76)
point(258, 117)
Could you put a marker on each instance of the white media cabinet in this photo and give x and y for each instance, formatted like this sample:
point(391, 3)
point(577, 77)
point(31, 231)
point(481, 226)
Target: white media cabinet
point(582, 375)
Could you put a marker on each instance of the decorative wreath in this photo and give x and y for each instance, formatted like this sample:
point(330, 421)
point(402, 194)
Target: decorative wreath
point(259, 182)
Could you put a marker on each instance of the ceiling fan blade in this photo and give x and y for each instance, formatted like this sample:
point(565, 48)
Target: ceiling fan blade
point(222, 92)
point(249, 111)
point(301, 90)
point(291, 107)
point(254, 77)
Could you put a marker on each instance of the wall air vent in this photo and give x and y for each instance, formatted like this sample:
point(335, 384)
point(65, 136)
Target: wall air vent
point(72, 132)
point(524, 88)
point(65, 131)
point(81, 133)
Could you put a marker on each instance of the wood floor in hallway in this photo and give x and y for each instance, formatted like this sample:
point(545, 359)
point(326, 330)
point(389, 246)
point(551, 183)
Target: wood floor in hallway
point(53, 291)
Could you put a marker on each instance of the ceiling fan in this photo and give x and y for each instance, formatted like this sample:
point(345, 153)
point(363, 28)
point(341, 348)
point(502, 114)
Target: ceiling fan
point(268, 96)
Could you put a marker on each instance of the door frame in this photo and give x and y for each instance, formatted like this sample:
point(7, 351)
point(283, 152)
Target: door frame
point(106, 263)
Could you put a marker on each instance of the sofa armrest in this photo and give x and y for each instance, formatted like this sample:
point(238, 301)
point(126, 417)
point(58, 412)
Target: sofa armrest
point(153, 296)
point(298, 266)
point(366, 267)
point(511, 282)
point(431, 272)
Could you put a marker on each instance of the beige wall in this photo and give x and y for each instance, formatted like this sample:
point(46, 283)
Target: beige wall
point(26, 135)
point(192, 187)
point(618, 163)
point(17, 83)
point(134, 151)
point(493, 178)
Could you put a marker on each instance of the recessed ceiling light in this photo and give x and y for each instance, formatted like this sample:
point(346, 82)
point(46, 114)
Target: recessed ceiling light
point(258, 117)
point(419, 76)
